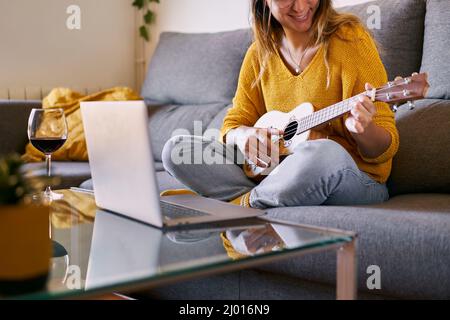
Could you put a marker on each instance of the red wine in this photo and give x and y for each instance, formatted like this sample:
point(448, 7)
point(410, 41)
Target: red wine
point(47, 145)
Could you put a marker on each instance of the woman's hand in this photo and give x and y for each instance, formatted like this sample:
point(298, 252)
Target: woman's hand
point(371, 139)
point(361, 114)
point(256, 144)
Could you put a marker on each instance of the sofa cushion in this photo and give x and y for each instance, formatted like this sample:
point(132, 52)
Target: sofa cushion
point(70, 173)
point(422, 163)
point(400, 33)
point(13, 124)
point(407, 237)
point(196, 68)
point(169, 120)
point(436, 48)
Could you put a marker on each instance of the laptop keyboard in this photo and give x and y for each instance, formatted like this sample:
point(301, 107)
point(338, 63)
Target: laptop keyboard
point(172, 211)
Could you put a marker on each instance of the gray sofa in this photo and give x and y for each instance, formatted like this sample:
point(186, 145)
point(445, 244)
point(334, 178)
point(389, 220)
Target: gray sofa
point(192, 77)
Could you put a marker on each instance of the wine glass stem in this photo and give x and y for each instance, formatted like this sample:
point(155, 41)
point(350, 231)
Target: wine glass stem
point(48, 162)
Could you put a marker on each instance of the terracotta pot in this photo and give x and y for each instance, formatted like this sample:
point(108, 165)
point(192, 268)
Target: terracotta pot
point(25, 248)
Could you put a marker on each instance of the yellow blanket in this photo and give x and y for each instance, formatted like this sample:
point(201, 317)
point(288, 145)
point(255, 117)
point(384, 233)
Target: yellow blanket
point(75, 147)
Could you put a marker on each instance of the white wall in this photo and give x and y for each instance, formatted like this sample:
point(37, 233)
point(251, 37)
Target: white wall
point(203, 15)
point(39, 52)
point(209, 15)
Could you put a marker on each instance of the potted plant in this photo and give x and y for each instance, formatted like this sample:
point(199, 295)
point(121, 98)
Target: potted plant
point(25, 245)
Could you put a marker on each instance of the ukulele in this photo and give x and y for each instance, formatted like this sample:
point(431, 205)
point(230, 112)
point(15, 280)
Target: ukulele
point(297, 124)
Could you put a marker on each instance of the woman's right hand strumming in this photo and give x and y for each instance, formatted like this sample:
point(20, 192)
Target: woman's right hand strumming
point(260, 146)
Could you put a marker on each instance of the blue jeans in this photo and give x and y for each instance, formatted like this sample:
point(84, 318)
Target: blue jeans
point(319, 172)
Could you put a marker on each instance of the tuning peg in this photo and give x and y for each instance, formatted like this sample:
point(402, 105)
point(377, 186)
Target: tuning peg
point(411, 105)
point(394, 107)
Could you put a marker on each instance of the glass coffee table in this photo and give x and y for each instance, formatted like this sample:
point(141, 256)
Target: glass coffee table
point(106, 253)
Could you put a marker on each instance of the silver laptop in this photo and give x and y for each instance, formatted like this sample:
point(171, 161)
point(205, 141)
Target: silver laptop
point(123, 174)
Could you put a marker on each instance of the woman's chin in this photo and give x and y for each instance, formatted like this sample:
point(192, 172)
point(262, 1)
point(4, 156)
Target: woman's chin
point(301, 28)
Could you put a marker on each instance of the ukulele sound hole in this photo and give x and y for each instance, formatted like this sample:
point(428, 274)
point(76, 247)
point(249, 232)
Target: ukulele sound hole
point(290, 130)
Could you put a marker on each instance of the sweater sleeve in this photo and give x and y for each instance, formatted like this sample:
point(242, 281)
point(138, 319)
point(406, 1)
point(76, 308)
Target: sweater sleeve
point(369, 68)
point(248, 105)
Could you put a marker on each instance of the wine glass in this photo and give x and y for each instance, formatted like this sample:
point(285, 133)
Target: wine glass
point(47, 131)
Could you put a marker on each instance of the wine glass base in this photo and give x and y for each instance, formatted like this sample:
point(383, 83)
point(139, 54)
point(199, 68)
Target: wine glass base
point(48, 196)
point(54, 195)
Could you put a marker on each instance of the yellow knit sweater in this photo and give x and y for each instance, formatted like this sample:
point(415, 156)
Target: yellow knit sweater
point(353, 59)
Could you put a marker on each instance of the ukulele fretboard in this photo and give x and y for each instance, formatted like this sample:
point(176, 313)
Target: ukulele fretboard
point(327, 114)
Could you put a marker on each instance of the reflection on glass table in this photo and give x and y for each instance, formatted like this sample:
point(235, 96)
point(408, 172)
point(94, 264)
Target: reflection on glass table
point(112, 253)
point(252, 241)
point(60, 261)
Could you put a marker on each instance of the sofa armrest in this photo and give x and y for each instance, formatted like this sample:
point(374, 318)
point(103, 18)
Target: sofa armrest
point(13, 124)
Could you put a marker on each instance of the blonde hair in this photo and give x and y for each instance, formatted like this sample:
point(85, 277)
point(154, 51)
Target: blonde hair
point(268, 32)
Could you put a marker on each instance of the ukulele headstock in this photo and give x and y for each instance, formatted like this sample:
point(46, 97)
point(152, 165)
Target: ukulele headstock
point(403, 90)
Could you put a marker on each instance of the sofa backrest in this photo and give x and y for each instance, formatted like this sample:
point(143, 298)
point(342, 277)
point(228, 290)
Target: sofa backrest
point(13, 124)
point(436, 48)
point(422, 163)
point(196, 68)
point(397, 26)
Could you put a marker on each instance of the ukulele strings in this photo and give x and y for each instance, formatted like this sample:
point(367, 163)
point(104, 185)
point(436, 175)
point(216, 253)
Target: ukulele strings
point(292, 131)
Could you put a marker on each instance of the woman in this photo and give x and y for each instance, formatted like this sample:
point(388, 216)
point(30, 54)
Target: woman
point(304, 51)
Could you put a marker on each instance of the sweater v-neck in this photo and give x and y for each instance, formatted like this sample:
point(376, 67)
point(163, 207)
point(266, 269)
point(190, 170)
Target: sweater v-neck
point(302, 74)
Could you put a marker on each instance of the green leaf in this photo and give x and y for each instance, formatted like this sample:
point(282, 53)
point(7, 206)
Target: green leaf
point(139, 3)
point(144, 33)
point(149, 17)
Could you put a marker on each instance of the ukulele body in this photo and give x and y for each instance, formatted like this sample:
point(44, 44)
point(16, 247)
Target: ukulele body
point(288, 122)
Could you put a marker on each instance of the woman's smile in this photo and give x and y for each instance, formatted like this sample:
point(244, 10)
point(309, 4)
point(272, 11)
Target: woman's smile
point(301, 18)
